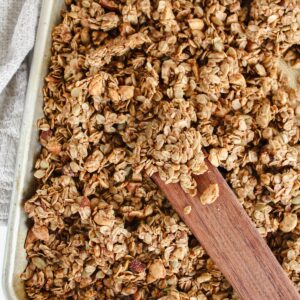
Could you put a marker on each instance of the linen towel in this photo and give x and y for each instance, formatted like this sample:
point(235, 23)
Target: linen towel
point(18, 20)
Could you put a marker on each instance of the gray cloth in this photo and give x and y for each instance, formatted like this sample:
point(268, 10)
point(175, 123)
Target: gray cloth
point(18, 20)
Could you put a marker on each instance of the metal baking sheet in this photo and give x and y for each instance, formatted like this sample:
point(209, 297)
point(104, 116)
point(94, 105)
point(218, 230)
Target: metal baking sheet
point(15, 255)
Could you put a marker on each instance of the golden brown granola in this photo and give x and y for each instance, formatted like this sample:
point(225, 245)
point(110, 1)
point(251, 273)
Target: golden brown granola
point(137, 87)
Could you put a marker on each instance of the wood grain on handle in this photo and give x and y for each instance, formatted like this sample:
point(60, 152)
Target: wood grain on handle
point(229, 237)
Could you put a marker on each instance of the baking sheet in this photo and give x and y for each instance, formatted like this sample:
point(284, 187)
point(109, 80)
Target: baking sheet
point(15, 255)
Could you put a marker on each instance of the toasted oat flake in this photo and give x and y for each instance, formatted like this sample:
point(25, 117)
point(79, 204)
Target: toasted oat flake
point(210, 194)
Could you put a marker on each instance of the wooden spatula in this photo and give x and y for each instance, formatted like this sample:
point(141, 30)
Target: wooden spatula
point(224, 229)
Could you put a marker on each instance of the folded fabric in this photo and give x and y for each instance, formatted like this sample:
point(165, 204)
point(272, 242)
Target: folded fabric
point(18, 20)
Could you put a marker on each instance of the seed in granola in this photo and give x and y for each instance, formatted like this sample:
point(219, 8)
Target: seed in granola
point(210, 194)
point(296, 200)
point(39, 174)
point(213, 157)
point(85, 39)
point(260, 70)
point(44, 164)
point(85, 208)
point(289, 222)
point(156, 271)
point(236, 104)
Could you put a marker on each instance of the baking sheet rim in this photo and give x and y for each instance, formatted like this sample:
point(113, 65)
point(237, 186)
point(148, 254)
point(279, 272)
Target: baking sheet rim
point(23, 153)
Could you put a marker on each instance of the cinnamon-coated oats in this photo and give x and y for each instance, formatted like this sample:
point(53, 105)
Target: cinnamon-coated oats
point(137, 87)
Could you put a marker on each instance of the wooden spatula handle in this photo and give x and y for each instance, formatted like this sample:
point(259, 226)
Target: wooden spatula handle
point(226, 232)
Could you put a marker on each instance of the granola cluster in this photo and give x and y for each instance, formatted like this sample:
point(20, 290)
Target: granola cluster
point(137, 87)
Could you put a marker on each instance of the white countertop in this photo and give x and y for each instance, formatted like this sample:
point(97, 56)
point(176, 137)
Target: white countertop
point(2, 247)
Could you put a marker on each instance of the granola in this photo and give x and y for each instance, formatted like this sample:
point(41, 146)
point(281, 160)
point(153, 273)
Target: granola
point(137, 87)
